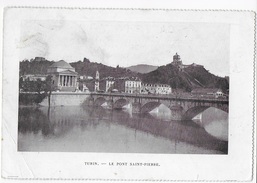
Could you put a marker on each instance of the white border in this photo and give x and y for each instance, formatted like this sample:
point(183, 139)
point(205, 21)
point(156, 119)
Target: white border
point(241, 47)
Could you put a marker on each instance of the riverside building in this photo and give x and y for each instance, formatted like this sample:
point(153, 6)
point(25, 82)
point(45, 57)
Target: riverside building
point(64, 77)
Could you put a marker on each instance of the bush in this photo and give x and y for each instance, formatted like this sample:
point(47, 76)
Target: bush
point(31, 98)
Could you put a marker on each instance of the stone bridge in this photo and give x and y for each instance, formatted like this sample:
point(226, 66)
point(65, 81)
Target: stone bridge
point(181, 108)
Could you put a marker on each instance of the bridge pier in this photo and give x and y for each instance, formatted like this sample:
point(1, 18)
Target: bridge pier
point(177, 112)
point(90, 101)
point(136, 107)
point(109, 104)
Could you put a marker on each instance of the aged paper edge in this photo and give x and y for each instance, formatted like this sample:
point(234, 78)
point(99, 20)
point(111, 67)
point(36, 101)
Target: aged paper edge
point(161, 9)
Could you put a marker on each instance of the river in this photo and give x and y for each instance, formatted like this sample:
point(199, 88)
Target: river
point(91, 129)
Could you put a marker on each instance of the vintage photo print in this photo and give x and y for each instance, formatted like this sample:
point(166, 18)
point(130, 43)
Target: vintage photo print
point(122, 91)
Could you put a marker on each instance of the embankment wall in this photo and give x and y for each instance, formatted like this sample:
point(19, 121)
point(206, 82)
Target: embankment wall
point(65, 99)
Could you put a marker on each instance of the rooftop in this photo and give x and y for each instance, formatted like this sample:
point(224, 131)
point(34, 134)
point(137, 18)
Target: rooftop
point(62, 64)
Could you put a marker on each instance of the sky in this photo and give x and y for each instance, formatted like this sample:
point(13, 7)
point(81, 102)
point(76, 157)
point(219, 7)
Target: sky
point(127, 43)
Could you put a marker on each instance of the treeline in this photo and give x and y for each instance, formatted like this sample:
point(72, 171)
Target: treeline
point(33, 92)
point(82, 68)
point(34, 67)
point(89, 68)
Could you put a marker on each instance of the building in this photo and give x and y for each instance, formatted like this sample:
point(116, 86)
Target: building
point(107, 84)
point(119, 84)
point(215, 92)
point(85, 77)
point(39, 59)
point(34, 77)
point(162, 89)
point(177, 62)
point(97, 79)
point(133, 85)
point(64, 76)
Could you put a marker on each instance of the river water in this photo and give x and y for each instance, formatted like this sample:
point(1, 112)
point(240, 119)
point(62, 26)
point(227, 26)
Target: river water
point(88, 129)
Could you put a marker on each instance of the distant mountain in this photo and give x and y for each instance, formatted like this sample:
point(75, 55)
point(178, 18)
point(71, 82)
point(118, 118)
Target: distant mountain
point(142, 68)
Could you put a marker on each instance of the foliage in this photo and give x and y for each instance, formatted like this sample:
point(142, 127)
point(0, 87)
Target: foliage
point(89, 68)
point(34, 67)
point(33, 92)
point(31, 98)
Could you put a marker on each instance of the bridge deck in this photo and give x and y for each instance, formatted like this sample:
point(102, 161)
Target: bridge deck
point(164, 97)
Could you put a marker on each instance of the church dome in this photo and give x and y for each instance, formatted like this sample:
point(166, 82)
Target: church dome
point(62, 64)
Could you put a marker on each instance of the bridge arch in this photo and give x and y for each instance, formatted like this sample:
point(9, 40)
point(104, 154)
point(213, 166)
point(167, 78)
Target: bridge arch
point(194, 111)
point(120, 103)
point(149, 106)
point(99, 101)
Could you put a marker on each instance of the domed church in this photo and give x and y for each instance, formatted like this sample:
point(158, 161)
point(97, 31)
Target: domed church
point(63, 75)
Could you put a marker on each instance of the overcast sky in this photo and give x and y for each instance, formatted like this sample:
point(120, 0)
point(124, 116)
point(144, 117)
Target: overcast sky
point(128, 43)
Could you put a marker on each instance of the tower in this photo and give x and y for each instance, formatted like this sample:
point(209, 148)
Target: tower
point(97, 77)
point(177, 60)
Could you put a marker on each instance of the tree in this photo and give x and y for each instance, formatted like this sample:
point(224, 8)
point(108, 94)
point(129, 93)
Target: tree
point(39, 86)
point(21, 84)
point(49, 88)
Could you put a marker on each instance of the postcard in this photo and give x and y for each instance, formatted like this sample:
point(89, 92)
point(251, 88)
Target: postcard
point(128, 94)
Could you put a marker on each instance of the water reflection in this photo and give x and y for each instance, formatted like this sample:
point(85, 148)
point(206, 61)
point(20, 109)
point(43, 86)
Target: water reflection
point(99, 130)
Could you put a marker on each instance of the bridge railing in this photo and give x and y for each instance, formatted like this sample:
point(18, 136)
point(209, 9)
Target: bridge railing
point(163, 97)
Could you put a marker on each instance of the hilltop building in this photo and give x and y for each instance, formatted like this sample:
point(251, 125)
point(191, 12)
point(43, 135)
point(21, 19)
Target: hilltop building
point(63, 75)
point(177, 62)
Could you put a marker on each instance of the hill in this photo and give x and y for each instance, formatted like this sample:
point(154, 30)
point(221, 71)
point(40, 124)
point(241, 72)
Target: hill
point(83, 68)
point(89, 68)
point(142, 68)
point(187, 79)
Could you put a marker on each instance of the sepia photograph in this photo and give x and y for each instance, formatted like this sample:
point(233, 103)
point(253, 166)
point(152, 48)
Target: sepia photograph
point(128, 94)
point(123, 87)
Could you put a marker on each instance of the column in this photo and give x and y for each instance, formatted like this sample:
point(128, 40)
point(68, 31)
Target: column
point(68, 79)
point(64, 81)
point(60, 82)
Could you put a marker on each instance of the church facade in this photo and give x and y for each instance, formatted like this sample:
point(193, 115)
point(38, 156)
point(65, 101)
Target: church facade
point(64, 76)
